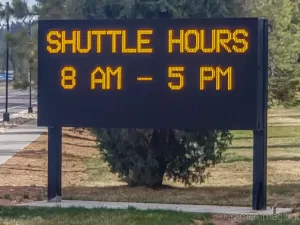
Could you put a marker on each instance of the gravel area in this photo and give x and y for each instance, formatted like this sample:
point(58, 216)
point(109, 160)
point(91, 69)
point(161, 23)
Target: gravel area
point(17, 119)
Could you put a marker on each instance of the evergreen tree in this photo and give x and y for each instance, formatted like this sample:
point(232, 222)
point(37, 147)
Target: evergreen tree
point(50, 9)
point(145, 156)
point(284, 48)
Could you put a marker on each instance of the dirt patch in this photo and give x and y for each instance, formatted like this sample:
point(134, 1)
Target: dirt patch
point(4, 202)
point(24, 176)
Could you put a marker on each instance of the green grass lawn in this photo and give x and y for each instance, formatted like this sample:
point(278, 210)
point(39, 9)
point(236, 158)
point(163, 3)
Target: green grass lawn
point(81, 216)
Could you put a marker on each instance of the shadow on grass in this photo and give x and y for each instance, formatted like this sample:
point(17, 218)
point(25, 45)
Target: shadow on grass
point(292, 116)
point(269, 146)
point(40, 154)
point(31, 168)
point(66, 135)
point(294, 158)
point(251, 138)
point(81, 145)
point(285, 195)
point(22, 168)
point(236, 158)
point(46, 143)
point(44, 154)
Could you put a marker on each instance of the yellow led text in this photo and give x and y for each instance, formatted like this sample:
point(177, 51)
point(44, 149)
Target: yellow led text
point(209, 74)
point(102, 78)
point(176, 72)
point(193, 41)
point(68, 77)
point(99, 77)
point(83, 43)
point(144, 78)
point(108, 78)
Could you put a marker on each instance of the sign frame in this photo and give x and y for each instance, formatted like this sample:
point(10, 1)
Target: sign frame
point(233, 112)
point(259, 190)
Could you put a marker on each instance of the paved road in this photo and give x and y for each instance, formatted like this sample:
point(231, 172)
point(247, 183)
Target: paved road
point(18, 100)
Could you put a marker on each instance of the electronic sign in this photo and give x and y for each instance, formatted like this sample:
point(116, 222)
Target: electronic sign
point(171, 73)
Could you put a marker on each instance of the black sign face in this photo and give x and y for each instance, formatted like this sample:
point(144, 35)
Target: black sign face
point(178, 73)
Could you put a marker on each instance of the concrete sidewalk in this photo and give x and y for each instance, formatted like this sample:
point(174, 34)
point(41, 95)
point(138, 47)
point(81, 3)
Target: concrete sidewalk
point(17, 138)
point(153, 206)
